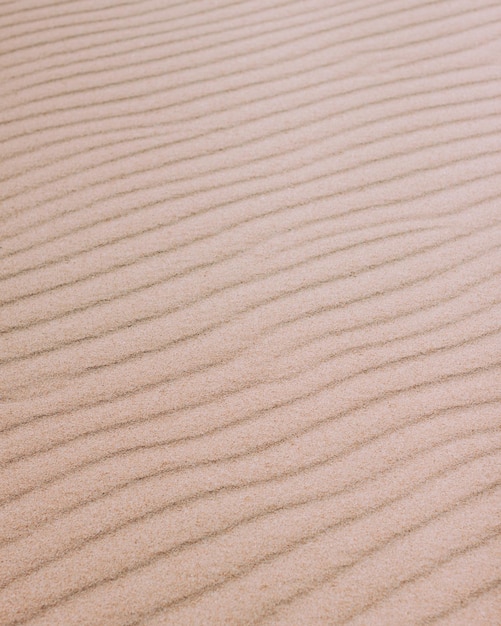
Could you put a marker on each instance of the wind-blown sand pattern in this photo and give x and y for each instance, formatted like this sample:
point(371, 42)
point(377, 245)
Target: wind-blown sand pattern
point(250, 280)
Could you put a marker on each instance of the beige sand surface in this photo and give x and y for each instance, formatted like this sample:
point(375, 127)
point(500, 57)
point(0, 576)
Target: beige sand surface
point(250, 286)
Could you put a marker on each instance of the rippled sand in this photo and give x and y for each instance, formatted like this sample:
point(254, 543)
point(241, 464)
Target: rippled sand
point(250, 277)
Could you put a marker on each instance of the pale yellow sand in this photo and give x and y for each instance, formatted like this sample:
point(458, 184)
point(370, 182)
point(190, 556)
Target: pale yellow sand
point(250, 280)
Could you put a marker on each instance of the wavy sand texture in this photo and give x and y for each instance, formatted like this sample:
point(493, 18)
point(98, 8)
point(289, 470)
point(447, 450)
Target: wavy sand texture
point(250, 286)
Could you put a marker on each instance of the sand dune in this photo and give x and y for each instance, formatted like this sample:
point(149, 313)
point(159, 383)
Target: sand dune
point(250, 286)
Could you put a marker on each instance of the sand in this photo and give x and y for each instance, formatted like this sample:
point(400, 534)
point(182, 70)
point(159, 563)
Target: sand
point(250, 286)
